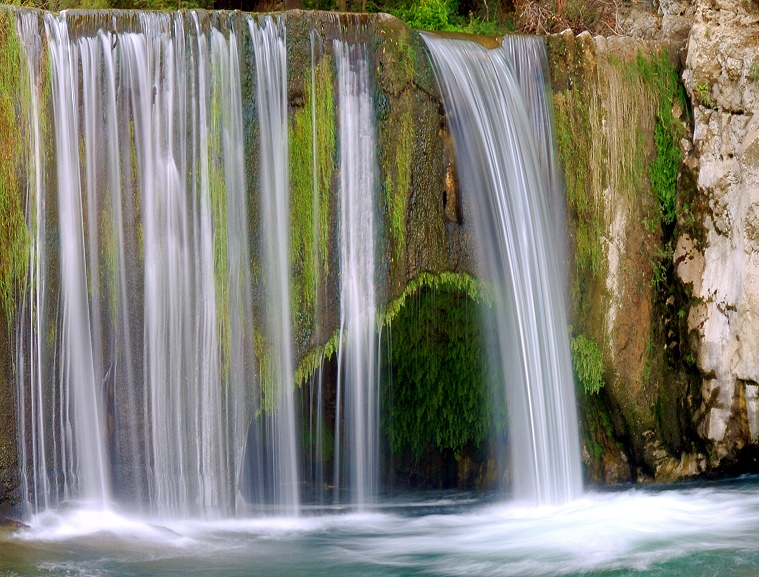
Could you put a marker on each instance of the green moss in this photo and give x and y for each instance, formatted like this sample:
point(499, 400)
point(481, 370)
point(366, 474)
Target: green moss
point(704, 94)
point(302, 246)
point(314, 359)
point(262, 349)
point(663, 79)
point(14, 233)
point(325, 154)
point(587, 361)
point(753, 72)
point(574, 139)
point(475, 289)
point(310, 186)
point(398, 190)
point(218, 200)
point(109, 271)
point(436, 391)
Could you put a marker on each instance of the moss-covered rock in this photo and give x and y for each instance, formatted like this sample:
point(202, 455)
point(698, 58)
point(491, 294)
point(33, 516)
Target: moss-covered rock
point(619, 118)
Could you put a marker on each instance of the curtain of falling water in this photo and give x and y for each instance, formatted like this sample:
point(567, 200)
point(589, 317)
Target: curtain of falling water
point(80, 335)
point(153, 325)
point(268, 35)
point(498, 119)
point(31, 354)
point(358, 347)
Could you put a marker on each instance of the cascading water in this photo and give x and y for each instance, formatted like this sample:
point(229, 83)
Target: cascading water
point(357, 353)
point(271, 76)
point(156, 363)
point(139, 385)
point(496, 107)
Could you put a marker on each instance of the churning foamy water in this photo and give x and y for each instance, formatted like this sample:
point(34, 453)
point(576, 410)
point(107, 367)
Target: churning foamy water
point(694, 531)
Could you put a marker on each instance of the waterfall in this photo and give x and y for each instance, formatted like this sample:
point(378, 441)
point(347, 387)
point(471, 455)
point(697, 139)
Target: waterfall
point(165, 311)
point(358, 350)
point(271, 75)
point(496, 107)
point(139, 374)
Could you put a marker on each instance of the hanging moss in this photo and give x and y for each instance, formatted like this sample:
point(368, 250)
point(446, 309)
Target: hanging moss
point(109, 271)
point(436, 391)
point(218, 200)
point(587, 361)
point(663, 79)
point(476, 289)
point(14, 234)
point(314, 358)
point(262, 349)
point(310, 226)
point(574, 138)
point(398, 190)
point(325, 154)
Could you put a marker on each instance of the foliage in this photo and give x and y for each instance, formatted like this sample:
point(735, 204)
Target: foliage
point(426, 15)
point(574, 140)
point(314, 358)
point(217, 191)
point(587, 361)
point(475, 289)
point(14, 234)
point(661, 77)
point(437, 394)
point(311, 131)
point(660, 265)
point(704, 94)
point(444, 16)
point(753, 72)
point(398, 193)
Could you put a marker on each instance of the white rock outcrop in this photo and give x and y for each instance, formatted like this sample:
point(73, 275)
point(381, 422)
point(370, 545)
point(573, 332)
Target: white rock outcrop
point(722, 78)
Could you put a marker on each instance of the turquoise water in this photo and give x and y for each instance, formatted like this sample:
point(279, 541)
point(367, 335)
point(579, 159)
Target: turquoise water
point(700, 530)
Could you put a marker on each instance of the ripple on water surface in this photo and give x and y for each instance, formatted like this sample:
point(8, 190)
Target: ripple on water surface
point(693, 531)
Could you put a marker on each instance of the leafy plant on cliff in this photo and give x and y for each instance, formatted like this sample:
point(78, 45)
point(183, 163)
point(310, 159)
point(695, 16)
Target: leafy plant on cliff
point(704, 94)
point(436, 394)
point(662, 77)
point(587, 361)
point(753, 72)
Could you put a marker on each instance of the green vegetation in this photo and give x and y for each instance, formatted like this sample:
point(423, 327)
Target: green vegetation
point(704, 94)
point(314, 358)
point(218, 199)
point(574, 137)
point(14, 233)
point(661, 77)
point(587, 361)
point(753, 72)
point(398, 191)
point(436, 393)
point(477, 290)
point(109, 270)
point(444, 15)
point(309, 204)
point(660, 265)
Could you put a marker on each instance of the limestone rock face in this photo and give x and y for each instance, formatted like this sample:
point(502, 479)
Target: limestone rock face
point(722, 270)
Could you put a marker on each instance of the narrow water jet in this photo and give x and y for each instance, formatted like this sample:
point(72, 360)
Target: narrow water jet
point(358, 349)
point(498, 115)
point(269, 44)
point(86, 473)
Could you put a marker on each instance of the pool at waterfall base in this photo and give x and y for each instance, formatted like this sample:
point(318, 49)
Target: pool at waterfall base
point(701, 529)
